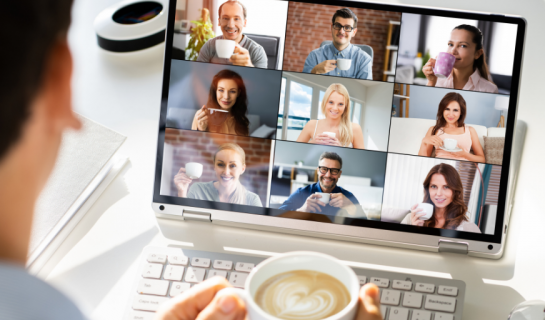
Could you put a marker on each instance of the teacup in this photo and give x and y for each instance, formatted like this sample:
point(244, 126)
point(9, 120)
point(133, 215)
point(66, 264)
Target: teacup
point(193, 170)
point(344, 64)
point(450, 144)
point(225, 48)
point(444, 64)
point(325, 197)
point(427, 209)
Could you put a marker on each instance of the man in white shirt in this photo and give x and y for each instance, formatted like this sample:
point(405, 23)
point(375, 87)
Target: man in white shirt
point(35, 109)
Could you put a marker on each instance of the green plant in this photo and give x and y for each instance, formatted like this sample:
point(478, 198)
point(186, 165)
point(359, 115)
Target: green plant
point(425, 60)
point(200, 34)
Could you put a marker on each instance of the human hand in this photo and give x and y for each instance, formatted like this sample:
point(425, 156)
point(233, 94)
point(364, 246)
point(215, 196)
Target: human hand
point(427, 69)
point(241, 57)
point(312, 204)
point(369, 303)
point(415, 216)
point(324, 67)
point(323, 138)
point(433, 140)
point(202, 119)
point(202, 302)
point(182, 181)
point(339, 200)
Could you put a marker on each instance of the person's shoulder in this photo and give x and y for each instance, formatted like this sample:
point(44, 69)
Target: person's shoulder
point(310, 123)
point(253, 199)
point(360, 53)
point(200, 187)
point(468, 226)
point(355, 126)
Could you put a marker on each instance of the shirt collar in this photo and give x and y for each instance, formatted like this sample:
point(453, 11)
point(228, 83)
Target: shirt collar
point(335, 190)
point(343, 53)
point(242, 42)
point(475, 77)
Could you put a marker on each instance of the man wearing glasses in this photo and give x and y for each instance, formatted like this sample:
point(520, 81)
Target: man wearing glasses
point(306, 199)
point(324, 59)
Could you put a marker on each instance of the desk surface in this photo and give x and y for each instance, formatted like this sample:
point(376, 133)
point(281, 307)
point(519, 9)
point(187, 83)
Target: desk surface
point(123, 93)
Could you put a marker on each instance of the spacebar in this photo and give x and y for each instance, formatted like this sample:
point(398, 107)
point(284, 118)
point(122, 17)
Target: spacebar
point(148, 303)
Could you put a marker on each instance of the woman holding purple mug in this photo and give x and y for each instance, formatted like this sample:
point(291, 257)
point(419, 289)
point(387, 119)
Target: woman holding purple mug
point(470, 70)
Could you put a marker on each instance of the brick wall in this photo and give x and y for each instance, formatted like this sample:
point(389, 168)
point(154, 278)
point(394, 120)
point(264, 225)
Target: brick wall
point(194, 146)
point(310, 24)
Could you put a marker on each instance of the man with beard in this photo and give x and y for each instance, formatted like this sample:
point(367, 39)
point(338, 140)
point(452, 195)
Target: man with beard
point(306, 199)
point(324, 59)
point(232, 19)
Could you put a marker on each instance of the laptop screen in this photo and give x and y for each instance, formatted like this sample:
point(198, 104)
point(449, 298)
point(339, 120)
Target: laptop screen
point(344, 113)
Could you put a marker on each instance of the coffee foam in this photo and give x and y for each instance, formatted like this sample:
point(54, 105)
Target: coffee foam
point(302, 295)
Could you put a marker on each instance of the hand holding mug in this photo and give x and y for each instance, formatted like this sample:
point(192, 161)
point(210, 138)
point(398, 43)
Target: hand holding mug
point(325, 67)
point(241, 57)
point(202, 119)
point(427, 69)
point(330, 140)
point(312, 204)
point(339, 200)
point(416, 213)
point(182, 182)
point(433, 140)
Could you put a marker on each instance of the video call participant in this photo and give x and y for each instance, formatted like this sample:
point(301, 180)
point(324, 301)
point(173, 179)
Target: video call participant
point(306, 200)
point(227, 93)
point(229, 165)
point(450, 125)
point(232, 19)
point(444, 190)
point(470, 70)
point(324, 59)
point(336, 108)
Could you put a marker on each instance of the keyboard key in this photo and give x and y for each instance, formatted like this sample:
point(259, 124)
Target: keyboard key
point(174, 273)
point(390, 297)
point(440, 303)
point(363, 280)
point(424, 287)
point(421, 315)
point(383, 310)
point(200, 262)
point(155, 287)
point(141, 315)
point(447, 291)
point(244, 267)
point(148, 303)
point(223, 264)
point(413, 300)
point(402, 285)
point(178, 287)
point(213, 273)
point(398, 314)
point(380, 282)
point(237, 279)
point(152, 270)
point(178, 259)
point(194, 275)
point(443, 316)
point(157, 258)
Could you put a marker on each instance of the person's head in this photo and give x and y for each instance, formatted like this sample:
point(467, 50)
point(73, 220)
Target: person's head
point(232, 19)
point(228, 92)
point(452, 111)
point(343, 27)
point(443, 189)
point(466, 44)
point(35, 100)
point(329, 170)
point(229, 165)
point(336, 106)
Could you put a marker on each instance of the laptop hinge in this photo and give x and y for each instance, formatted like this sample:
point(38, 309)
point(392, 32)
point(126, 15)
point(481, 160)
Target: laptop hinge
point(454, 247)
point(197, 216)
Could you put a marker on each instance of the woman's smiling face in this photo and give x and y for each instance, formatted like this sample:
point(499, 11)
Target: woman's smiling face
point(227, 93)
point(228, 166)
point(463, 48)
point(440, 193)
point(452, 113)
point(335, 106)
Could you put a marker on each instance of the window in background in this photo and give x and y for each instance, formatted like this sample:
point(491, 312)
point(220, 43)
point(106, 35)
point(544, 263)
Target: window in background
point(320, 114)
point(357, 113)
point(502, 48)
point(281, 109)
point(298, 109)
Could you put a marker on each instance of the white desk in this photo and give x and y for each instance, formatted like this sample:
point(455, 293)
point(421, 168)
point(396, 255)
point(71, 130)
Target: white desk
point(124, 94)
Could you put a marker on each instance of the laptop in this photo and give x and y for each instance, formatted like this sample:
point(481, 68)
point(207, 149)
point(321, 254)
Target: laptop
point(370, 123)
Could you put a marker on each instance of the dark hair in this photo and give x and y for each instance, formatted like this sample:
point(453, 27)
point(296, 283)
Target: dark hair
point(479, 64)
point(456, 210)
point(448, 98)
point(233, 1)
point(240, 108)
point(28, 33)
point(332, 156)
point(347, 14)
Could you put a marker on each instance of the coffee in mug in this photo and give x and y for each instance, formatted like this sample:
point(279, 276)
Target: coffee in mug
point(444, 64)
point(450, 144)
point(193, 170)
point(325, 197)
point(302, 295)
point(344, 64)
point(427, 208)
point(225, 48)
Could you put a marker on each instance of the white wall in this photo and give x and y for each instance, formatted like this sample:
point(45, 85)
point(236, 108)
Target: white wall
point(376, 116)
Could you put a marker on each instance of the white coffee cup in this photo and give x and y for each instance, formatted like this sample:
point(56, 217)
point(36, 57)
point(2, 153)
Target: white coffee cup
point(344, 64)
point(331, 134)
point(225, 48)
point(292, 261)
point(450, 144)
point(325, 197)
point(193, 170)
point(427, 209)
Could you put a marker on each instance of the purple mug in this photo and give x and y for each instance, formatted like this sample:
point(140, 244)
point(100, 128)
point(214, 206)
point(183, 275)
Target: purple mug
point(444, 64)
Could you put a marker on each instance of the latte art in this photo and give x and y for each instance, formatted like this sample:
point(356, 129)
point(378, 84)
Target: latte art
point(302, 295)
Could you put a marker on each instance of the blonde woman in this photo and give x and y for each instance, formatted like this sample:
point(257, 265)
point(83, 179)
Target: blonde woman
point(336, 129)
point(229, 165)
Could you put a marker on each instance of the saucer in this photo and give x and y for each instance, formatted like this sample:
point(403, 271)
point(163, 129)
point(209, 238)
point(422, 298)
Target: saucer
point(451, 150)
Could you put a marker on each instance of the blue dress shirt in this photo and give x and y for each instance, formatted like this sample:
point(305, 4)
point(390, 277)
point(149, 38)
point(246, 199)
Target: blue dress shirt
point(298, 198)
point(361, 61)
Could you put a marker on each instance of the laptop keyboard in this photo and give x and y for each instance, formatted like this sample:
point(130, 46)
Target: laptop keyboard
point(167, 272)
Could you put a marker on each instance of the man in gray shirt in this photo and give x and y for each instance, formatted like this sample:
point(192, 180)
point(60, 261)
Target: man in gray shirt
point(232, 19)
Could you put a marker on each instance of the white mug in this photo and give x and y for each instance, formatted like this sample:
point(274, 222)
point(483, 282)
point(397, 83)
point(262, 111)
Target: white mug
point(344, 64)
point(325, 197)
point(427, 209)
point(225, 48)
point(292, 261)
point(331, 134)
point(193, 170)
point(450, 144)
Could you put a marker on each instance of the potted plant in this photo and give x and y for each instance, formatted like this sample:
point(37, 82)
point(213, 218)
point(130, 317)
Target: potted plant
point(200, 34)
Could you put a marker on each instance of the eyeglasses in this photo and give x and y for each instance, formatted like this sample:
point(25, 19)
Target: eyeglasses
point(324, 170)
point(338, 26)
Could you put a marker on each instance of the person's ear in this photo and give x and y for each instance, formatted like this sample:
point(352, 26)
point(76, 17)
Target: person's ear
point(245, 21)
point(243, 169)
point(355, 31)
point(479, 53)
